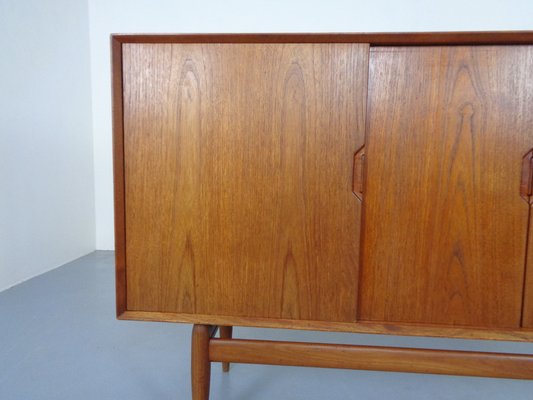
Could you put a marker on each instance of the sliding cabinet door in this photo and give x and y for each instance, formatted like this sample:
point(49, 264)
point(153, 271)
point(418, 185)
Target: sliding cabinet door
point(445, 224)
point(238, 178)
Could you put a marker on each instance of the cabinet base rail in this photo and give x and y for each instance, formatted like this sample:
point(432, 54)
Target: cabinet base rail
point(206, 349)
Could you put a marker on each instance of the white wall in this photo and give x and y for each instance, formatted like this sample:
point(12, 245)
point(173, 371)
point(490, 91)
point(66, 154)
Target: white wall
point(172, 16)
point(46, 165)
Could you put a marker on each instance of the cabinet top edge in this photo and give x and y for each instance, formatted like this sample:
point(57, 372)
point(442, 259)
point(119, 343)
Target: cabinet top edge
point(374, 39)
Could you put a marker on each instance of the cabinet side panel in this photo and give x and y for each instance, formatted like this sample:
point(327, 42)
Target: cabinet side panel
point(238, 165)
point(445, 225)
point(118, 177)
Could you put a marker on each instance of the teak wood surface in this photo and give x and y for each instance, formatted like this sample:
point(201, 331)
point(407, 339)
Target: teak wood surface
point(245, 164)
point(445, 231)
point(238, 178)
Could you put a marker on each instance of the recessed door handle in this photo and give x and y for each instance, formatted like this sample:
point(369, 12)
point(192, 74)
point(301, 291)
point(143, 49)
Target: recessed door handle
point(359, 161)
point(526, 182)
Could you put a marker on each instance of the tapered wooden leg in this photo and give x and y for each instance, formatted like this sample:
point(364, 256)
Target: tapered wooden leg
point(226, 332)
point(200, 364)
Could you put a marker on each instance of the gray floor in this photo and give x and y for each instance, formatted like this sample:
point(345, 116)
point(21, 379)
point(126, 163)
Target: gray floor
point(59, 339)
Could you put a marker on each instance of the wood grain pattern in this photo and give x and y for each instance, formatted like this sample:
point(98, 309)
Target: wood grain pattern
point(445, 228)
point(448, 362)
point(238, 178)
point(397, 328)
point(374, 39)
point(445, 329)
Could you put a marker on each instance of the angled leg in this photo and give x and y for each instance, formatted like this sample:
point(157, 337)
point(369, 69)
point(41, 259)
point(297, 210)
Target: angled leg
point(200, 364)
point(226, 332)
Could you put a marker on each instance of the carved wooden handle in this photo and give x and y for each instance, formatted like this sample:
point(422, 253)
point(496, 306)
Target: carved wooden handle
point(526, 182)
point(358, 172)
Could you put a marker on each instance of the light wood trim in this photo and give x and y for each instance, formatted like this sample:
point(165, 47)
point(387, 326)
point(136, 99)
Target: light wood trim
point(495, 365)
point(118, 175)
point(403, 329)
point(376, 39)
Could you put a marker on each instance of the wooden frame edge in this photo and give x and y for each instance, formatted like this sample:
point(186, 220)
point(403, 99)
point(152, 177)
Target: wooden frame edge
point(118, 175)
point(374, 39)
point(375, 358)
point(326, 326)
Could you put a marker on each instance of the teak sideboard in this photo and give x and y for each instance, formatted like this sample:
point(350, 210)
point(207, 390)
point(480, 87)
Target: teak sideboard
point(371, 183)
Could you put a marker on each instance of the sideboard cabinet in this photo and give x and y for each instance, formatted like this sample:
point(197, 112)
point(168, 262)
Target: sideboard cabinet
point(372, 183)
